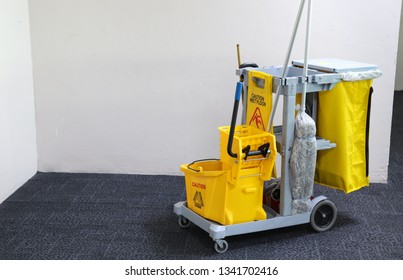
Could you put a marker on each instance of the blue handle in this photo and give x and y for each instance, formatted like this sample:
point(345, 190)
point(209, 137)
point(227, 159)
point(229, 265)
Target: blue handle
point(238, 91)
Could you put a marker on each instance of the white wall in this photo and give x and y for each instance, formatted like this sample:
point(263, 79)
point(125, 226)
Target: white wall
point(18, 157)
point(399, 68)
point(140, 86)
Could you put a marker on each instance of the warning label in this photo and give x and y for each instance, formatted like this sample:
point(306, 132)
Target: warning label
point(198, 200)
point(257, 119)
point(257, 99)
point(199, 185)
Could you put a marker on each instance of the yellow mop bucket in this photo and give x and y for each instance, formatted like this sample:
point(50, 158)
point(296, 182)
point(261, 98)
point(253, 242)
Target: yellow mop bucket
point(212, 196)
point(247, 139)
point(230, 190)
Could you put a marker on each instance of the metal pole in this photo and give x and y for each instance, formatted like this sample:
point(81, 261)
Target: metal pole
point(286, 61)
point(307, 42)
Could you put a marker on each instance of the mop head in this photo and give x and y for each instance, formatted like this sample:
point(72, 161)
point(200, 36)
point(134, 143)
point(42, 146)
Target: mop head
point(302, 163)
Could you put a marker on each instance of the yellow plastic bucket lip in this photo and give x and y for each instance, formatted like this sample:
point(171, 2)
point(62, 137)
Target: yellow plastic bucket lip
point(202, 173)
point(245, 131)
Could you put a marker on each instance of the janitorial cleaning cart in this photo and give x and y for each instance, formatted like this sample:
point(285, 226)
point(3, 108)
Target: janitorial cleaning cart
point(323, 139)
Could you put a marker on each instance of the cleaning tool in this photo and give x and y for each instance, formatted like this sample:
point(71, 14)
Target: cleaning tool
point(226, 197)
point(303, 155)
point(241, 79)
point(286, 61)
point(238, 93)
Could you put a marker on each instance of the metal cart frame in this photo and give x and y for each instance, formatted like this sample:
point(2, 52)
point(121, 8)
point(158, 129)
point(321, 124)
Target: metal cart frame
point(323, 213)
point(288, 80)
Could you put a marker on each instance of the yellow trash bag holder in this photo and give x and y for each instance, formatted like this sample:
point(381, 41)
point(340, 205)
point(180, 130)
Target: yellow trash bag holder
point(343, 117)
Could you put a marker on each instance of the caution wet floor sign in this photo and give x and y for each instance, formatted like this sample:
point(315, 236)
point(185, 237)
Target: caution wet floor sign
point(259, 99)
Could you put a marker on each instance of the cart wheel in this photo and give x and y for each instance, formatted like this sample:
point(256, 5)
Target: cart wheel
point(323, 216)
point(221, 246)
point(183, 222)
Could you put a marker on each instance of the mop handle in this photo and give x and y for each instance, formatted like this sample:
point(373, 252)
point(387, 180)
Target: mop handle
point(287, 59)
point(262, 150)
point(238, 52)
point(307, 42)
point(238, 92)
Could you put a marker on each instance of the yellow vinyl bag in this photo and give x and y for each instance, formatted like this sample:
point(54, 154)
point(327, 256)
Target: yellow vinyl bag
point(343, 118)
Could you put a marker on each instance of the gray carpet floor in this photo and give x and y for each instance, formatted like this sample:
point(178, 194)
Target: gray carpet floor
point(130, 217)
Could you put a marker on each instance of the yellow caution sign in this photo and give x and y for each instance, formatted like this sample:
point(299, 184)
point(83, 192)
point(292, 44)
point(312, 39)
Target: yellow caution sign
point(259, 99)
point(259, 102)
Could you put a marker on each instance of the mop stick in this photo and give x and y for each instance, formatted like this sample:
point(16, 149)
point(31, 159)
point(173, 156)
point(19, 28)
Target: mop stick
point(303, 154)
point(307, 43)
point(238, 55)
point(287, 59)
point(238, 52)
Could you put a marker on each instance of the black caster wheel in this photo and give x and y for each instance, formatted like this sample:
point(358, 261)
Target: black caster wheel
point(221, 246)
point(183, 222)
point(323, 216)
